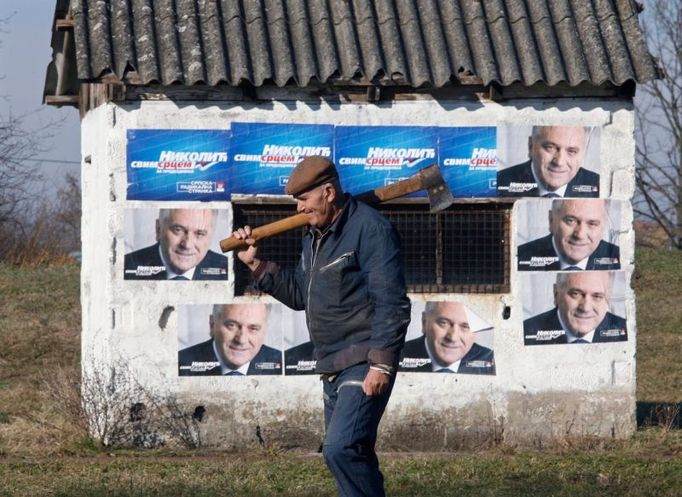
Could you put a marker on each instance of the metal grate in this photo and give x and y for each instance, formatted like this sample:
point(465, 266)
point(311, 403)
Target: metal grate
point(285, 249)
point(463, 249)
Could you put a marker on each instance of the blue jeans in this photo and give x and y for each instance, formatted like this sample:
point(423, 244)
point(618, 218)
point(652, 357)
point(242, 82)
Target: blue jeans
point(351, 420)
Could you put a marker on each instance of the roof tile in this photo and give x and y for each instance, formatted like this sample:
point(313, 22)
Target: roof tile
point(413, 42)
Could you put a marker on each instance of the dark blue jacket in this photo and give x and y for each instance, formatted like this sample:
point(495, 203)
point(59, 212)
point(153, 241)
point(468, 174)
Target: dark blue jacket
point(353, 290)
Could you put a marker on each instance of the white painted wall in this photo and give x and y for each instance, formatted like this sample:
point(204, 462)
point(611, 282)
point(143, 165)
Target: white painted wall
point(537, 391)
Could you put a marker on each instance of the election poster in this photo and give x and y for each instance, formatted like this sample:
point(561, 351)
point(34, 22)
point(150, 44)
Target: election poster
point(167, 164)
point(299, 358)
point(569, 234)
point(263, 154)
point(257, 158)
point(447, 337)
point(548, 161)
point(237, 339)
point(468, 160)
point(368, 157)
point(177, 244)
point(573, 307)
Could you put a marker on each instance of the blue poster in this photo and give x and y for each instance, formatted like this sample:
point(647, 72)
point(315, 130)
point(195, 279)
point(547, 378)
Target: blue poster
point(368, 157)
point(468, 160)
point(263, 155)
point(167, 164)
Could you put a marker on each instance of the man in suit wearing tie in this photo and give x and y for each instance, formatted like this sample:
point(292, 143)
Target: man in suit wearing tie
point(554, 168)
point(580, 314)
point(447, 344)
point(236, 345)
point(182, 250)
point(576, 228)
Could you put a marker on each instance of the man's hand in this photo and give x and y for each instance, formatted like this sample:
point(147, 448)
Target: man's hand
point(249, 255)
point(375, 382)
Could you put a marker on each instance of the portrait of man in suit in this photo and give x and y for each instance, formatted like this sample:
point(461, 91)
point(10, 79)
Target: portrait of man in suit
point(580, 314)
point(181, 251)
point(555, 166)
point(236, 344)
point(447, 343)
point(575, 240)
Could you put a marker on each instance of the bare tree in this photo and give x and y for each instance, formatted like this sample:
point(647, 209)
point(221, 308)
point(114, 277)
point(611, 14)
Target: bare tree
point(659, 120)
point(18, 176)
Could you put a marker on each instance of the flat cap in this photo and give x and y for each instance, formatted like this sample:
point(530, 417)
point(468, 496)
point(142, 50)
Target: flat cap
point(310, 172)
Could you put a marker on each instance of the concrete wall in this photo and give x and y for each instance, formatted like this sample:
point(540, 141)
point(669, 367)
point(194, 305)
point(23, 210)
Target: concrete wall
point(538, 393)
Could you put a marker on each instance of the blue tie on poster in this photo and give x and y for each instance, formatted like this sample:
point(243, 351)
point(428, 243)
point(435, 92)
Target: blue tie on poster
point(368, 157)
point(263, 155)
point(468, 160)
point(167, 164)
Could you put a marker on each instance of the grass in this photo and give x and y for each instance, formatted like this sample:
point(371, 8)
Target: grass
point(627, 470)
point(44, 452)
point(40, 337)
point(658, 288)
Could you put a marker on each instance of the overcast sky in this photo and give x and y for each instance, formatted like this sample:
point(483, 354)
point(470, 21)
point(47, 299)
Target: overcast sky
point(24, 56)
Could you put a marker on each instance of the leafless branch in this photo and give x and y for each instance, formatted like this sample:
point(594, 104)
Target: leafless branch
point(659, 124)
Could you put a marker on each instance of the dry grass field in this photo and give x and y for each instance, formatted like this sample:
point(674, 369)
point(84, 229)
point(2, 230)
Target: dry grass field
point(45, 449)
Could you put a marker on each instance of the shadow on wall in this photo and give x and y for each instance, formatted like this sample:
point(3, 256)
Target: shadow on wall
point(664, 414)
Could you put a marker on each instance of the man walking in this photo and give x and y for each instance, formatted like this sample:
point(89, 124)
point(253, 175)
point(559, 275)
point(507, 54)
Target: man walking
point(350, 282)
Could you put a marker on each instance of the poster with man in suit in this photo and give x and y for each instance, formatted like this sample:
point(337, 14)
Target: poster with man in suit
point(229, 340)
point(586, 307)
point(449, 338)
point(568, 234)
point(178, 244)
point(558, 161)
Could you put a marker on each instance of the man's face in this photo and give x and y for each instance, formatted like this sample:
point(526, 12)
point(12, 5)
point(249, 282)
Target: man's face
point(557, 152)
point(583, 301)
point(238, 332)
point(185, 236)
point(577, 227)
point(447, 332)
point(317, 205)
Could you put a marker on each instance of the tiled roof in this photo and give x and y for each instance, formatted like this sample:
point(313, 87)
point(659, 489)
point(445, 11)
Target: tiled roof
point(429, 43)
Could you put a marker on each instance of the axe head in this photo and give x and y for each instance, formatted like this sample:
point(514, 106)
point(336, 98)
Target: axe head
point(437, 191)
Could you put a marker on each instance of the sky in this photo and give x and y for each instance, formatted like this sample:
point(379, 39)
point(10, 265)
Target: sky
point(25, 53)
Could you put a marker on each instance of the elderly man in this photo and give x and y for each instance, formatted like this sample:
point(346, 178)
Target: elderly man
point(350, 282)
point(555, 169)
point(236, 345)
point(580, 314)
point(182, 250)
point(447, 344)
point(574, 243)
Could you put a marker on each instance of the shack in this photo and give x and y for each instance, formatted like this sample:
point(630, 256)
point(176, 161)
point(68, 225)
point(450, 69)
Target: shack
point(195, 111)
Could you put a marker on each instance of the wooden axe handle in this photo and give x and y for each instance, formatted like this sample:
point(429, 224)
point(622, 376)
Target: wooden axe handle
point(266, 231)
point(395, 190)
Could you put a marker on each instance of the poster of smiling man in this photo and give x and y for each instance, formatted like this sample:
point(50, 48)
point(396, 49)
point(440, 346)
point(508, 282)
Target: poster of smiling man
point(576, 307)
point(548, 161)
point(568, 234)
point(447, 337)
point(243, 339)
point(179, 244)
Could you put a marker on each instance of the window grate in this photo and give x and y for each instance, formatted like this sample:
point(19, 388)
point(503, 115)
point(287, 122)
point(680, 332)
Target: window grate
point(463, 249)
point(285, 249)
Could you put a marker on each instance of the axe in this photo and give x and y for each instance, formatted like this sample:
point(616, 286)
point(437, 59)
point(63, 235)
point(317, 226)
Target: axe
point(428, 179)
